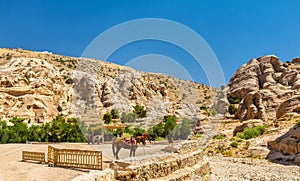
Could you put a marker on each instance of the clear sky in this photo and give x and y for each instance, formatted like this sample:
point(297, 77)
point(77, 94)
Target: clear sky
point(236, 30)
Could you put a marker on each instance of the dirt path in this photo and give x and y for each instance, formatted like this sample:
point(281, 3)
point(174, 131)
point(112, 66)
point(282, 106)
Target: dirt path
point(11, 167)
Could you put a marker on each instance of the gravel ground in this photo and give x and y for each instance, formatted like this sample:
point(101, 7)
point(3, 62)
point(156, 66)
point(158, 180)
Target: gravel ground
point(225, 168)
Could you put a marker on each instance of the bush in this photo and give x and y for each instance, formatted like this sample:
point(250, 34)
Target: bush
point(107, 117)
point(234, 144)
point(140, 111)
point(59, 108)
point(232, 99)
point(27, 77)
point(219, 137)
point(198, 135)
point(114, 113)
point(249, 133)
point(69, 81)
point(205, 108)
point(130, 117)
point(170, 124)
point(232, 109)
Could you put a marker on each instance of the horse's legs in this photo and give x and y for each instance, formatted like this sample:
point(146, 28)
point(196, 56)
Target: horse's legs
point(117, 153)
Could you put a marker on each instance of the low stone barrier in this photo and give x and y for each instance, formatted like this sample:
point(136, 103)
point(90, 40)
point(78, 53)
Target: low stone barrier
point(188, 157)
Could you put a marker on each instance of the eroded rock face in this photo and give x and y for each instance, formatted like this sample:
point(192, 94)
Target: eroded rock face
point(266, 88)
point(286, 147)
point(34, 84)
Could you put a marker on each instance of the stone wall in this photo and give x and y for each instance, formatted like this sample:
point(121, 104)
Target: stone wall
point(177, 166)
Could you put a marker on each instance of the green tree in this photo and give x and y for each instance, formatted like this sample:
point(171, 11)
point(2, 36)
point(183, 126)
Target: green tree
point(140, 111)
point(130, 117)
point(170, 124)
point(107, 118)
point(115, 114)
point(157, 130)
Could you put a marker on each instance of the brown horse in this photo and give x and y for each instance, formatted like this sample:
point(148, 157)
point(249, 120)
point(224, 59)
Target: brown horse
point(143, 138)
point(118, 144)
point(147, 137)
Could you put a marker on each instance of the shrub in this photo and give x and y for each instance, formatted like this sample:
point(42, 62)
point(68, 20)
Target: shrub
point(107, 118)
point(219, 137)
point(249, 133)
point(232, 109)
point(204, 108)
point(114, 113)
point(198, 135)
point(27, 77)
point(232, 99)
point(130, 117)
point(234, 144)
point(59, 108)
point(69, 81)
point(140, 111)
point(170, 124)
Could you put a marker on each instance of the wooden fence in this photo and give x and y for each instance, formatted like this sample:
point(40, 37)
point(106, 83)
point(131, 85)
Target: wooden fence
point(33, 156)
point(75, 158)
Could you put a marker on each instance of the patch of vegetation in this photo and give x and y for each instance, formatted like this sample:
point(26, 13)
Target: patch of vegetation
point(59, 130)
point(27, 77)
point(198, 135)
point(205, 108)
point(219, 137)
point(232, 99)
point(140, 111)
point(234, 144)
point(59, 108)
point(249, 133)
point(69, 81)
point(107, 117)
point(169, 126)
point(127, 118)
point(232, 109)
point(114, 114)
point(207, 97)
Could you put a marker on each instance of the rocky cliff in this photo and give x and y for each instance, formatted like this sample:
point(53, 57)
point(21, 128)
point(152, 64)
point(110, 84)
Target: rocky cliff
point(35, 85)
point(265, 88)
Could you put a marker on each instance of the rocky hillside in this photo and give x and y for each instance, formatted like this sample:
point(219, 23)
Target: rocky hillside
point(40, 85)
point(263, 92)
point(265, 88)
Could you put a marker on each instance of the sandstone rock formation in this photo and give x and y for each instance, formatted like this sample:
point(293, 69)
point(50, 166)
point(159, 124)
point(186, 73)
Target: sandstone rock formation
point(286, 147)
point(266, 88)
point(34, 84)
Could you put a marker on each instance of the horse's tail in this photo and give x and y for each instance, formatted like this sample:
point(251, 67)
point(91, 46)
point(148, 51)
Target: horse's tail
point(113, 148)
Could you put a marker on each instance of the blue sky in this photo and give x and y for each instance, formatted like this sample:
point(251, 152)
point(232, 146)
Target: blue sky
point(236, 30)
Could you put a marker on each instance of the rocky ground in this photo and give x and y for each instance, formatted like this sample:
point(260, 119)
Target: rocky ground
point(226, 168)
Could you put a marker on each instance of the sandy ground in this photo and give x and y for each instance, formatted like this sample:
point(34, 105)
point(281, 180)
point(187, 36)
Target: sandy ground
point(12, 168)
